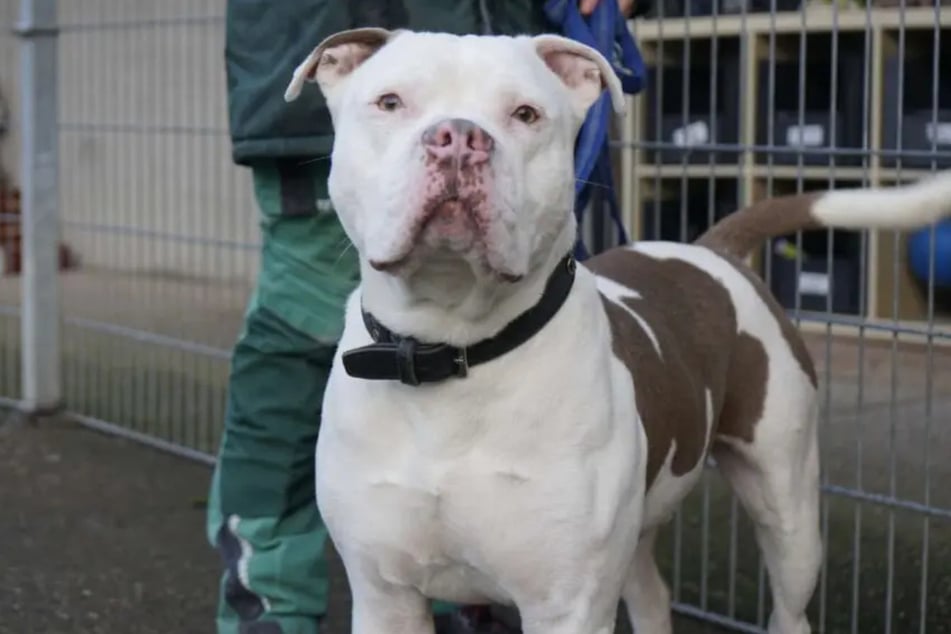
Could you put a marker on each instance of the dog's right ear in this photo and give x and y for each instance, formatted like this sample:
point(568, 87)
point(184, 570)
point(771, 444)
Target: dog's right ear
point(335, 58)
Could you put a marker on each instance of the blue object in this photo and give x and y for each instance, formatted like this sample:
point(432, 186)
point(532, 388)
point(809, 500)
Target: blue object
point(919, 254)
point(606, 31)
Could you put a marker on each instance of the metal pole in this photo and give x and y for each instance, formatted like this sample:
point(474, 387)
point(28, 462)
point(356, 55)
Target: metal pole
point(40, 326)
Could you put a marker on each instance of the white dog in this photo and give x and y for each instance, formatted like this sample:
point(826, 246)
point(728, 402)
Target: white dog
point(500, 427)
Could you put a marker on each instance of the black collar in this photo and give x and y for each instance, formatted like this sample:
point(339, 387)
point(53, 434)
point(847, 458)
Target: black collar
point(404, 359)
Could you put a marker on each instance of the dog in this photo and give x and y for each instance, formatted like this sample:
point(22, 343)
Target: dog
point(504, 426)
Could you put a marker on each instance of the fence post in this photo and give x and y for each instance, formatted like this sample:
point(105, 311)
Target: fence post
point(41, 319)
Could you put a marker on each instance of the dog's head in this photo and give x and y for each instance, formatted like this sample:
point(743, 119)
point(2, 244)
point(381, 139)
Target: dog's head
point(455, 148)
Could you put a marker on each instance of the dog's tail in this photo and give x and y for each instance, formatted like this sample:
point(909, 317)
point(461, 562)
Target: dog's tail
point(904, 207)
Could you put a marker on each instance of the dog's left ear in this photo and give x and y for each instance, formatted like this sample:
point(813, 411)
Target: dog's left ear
point(583, 70)
point(335, 58)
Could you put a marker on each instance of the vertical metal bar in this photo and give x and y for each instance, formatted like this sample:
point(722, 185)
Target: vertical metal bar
point(731, 582)
point(930, 361)
point(110, 210)
point(830, 308)
point(83, 195)
point(893, 396)
point(860, 374)
point(800, 155)
point(711, 206)
point(9, 312)
point(159, 373)
point(685, 122)
point(130, 351)
point(771, 59)
point(40, 323)
point(658, 107)
point(743, 50)
point(685, 103)
point(770, 130)
point(198, 364)
point(144, 198)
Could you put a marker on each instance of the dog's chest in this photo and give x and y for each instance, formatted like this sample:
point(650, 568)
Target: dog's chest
point(453, 488)
point(442, 528)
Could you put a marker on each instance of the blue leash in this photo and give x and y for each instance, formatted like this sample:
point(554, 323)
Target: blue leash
point(606, 31)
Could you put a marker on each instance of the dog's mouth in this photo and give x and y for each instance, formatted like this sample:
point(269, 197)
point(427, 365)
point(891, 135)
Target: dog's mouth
point(448, 226)
point(430, 211)
point(439, 215)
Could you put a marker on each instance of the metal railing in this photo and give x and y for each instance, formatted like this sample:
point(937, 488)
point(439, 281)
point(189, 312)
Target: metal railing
point(740, 104)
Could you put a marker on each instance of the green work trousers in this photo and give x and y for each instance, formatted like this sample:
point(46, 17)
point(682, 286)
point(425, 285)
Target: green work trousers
point(262, 514)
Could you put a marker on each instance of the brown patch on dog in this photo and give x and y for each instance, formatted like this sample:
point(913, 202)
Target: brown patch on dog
point(693, 320)
point(746, 389)
point(789, 331)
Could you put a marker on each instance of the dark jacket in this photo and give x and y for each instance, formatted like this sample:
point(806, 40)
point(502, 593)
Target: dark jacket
point(267, 39)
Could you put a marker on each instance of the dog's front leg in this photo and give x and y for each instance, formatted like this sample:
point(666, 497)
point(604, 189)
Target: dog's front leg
point(592, 613)
point(578, 599)
point(388, 609)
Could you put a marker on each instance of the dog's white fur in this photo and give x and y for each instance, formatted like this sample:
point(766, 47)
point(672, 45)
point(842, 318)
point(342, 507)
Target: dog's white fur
point(525, 482)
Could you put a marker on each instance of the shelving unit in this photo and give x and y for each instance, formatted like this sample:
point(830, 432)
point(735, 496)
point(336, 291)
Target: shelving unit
point(724, 111)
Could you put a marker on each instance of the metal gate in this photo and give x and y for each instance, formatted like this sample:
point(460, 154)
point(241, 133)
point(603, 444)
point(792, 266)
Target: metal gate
point(745, 99)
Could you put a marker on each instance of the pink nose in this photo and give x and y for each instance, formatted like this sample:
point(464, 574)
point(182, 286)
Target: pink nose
point(458, 138)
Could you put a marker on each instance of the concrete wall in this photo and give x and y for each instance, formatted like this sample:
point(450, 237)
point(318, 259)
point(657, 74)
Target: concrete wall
point(147, 182)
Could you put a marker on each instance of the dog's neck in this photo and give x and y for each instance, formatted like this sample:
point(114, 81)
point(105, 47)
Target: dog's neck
point(447, 302)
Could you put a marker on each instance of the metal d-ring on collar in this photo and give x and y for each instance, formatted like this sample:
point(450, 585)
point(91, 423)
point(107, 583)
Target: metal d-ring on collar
point(395, 358)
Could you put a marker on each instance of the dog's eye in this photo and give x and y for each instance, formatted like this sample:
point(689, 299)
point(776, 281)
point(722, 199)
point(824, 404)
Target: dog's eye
point(389, 102)
point(526, 114)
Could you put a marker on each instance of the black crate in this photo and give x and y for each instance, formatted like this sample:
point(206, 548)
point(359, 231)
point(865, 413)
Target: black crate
point(670, 213)
point(696, 8)
point(819, 129)
point(767, 6)
point(919, 125)
point(706, 123)
point(812, 278)
point(666, 9)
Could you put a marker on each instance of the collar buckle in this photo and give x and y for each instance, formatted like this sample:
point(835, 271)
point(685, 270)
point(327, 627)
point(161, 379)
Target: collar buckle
point(406, 361)
point(462, 363)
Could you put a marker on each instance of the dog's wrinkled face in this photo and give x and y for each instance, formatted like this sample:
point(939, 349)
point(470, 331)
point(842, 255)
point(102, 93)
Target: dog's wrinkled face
point(455, 147)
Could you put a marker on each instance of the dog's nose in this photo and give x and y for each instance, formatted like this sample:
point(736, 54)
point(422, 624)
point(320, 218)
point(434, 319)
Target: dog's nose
point(460, 138)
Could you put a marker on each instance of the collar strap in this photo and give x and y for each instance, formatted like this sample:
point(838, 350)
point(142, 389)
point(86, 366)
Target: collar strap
point(404, 359)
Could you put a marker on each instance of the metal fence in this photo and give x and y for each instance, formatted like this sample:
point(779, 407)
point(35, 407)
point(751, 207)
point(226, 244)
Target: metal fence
point(744, 100)
point(157, 226)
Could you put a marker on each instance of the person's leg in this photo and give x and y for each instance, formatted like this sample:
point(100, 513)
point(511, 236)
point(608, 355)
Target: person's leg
point(262, 516)
point(263, 519)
